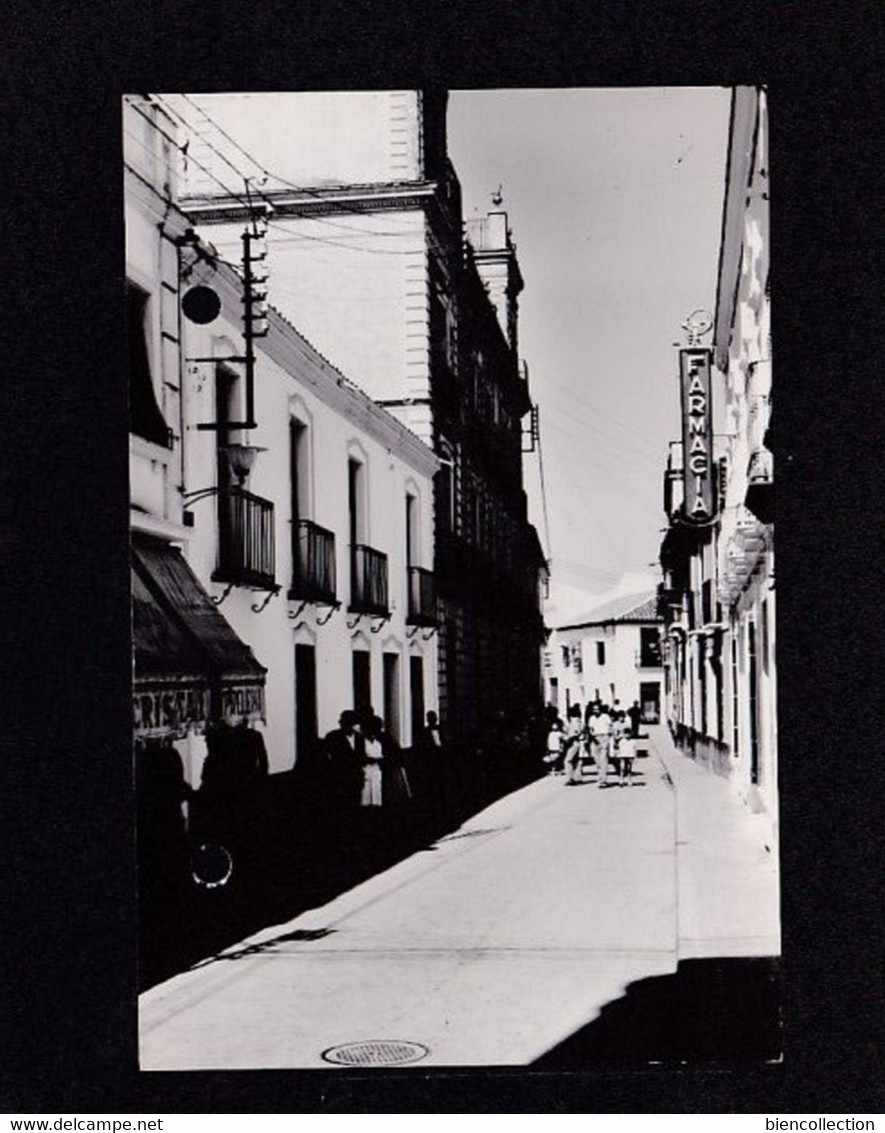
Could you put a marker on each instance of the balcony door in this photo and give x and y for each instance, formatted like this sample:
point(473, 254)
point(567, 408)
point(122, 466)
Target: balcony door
point(356, 506)
point(362, 680)
point(391, 696)
point(226, 410)
point(411, 530)
point(297, 497)
point(416, 685)
point(753, 690)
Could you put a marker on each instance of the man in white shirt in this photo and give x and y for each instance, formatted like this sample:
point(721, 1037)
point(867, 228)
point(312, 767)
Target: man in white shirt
point(599, 729)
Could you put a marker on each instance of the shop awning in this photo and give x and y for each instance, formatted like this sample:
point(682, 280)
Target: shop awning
point(190, 666)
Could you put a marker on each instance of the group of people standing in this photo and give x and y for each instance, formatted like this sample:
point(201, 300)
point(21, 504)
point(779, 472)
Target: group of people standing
point(602, 738)
point(361, 765)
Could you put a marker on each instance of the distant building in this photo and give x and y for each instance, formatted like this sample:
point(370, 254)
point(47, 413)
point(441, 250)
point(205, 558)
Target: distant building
point(613, 653)
point(282, 527)
point(718, 595)
point(370, 259)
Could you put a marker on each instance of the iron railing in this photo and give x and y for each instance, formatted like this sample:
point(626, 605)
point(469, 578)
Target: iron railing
point(422, 597)
point(368, 580)
point(245, 540)
point(313, 562)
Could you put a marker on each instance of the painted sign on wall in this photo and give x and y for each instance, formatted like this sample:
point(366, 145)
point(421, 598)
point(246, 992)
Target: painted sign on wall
point(697, 434)
point(164, 709)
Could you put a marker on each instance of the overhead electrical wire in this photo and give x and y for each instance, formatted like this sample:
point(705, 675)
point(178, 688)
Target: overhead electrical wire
point(601, 412)
point(621, 447)
point(248, 204)
point(317, 194)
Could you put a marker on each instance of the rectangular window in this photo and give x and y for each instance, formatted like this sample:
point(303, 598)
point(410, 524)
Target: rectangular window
point(600, 652)
point(707, 602)
point(354, 502)
point(649, 647)
point(225, 411)
point(411, 530)
point(650, 701)
point(356, 525)
point(445, 498)
point(298, 471)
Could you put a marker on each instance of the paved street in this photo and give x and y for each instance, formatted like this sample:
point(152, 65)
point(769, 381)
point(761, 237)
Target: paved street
point(498, 942)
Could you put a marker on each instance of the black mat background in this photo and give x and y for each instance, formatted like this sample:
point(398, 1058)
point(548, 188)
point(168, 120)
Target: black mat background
point(69, 1028)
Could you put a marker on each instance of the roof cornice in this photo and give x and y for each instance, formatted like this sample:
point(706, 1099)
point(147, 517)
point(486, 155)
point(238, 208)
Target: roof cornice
point(323, 201)
point(739, 168)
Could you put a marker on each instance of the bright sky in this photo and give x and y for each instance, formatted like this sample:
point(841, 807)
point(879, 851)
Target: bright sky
point(615, 202)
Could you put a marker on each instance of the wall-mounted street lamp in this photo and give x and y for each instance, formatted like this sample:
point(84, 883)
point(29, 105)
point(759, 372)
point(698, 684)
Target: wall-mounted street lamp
point(241, 459)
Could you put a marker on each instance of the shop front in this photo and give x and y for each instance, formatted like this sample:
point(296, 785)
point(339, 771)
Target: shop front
point(191, 669)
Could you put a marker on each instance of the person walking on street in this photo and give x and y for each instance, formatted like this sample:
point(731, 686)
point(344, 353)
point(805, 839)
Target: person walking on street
point(619, 739)
point(599, 728)
point(635, 714)
point(573, 746)
point(628, 752)
point(553, 755)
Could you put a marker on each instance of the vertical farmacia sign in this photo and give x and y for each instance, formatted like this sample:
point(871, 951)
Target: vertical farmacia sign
point(697, 434)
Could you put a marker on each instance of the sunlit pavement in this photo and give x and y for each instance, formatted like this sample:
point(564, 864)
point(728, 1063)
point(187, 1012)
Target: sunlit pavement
point(727, 865)
point(495, 944)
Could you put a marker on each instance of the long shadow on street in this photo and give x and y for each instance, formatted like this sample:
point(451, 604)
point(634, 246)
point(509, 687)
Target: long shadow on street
point(709, 1011)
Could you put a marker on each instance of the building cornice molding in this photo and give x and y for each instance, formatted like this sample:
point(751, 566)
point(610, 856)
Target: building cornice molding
point(742, 137)
point(317, 202)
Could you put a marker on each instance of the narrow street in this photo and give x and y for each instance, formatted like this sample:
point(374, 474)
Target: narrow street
point(498, 943)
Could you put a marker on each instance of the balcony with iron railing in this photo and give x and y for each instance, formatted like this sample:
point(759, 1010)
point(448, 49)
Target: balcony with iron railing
point(368, 581)
point(245, 540)
point(313, 563)
point(422, 597)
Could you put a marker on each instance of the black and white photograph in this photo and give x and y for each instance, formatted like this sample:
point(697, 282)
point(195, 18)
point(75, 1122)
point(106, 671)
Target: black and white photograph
point(451, 479)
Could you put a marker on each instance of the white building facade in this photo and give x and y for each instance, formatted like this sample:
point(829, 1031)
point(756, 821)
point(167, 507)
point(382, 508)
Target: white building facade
point(373, 262)
point(718, 595)
point(742, 347)
point(612, 654)
point(302, 509)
